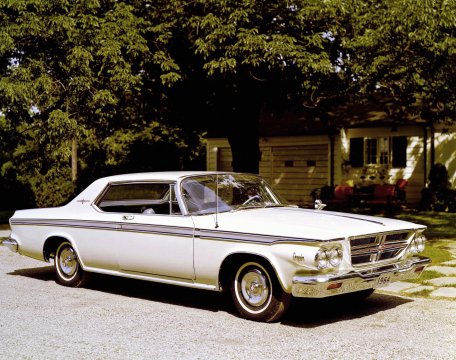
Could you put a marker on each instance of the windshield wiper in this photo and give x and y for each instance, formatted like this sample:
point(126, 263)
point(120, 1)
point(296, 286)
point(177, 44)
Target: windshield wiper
point(258, 206)
point(249, 206)
point(274, 205)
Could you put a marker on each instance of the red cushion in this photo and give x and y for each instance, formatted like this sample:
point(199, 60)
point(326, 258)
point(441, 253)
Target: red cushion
point(341, 192)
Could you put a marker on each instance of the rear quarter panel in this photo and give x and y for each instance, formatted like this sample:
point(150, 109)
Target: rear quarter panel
point(95, 247)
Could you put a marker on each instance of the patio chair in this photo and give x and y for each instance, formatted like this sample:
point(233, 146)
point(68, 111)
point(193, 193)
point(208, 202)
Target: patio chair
point(341, 195)
point(385, 194)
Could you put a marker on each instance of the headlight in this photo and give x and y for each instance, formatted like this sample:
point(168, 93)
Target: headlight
point(321, 258)
point(328, 257)
point(335, 256)
point(413, 248)
point(417, 245)
point(420, 243)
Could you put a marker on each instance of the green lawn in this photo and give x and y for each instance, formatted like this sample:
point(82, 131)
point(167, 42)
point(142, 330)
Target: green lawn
point(440, 225)
point(441, 232)
point(437, 251)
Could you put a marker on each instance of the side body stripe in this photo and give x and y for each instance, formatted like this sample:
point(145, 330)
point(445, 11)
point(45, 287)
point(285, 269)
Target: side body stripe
point(204, 234)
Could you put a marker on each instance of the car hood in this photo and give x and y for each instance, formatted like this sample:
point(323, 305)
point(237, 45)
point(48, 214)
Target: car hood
point(307, 224)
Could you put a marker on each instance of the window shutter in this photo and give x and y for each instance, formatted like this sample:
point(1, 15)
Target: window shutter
point(399, 151)
point(357, 152)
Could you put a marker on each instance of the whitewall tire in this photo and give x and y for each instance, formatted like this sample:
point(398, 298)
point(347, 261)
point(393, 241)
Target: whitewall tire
point(256, 292)
point(67, 267)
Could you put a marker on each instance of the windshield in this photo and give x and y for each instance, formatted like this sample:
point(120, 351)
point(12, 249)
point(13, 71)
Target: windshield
point(235, 192)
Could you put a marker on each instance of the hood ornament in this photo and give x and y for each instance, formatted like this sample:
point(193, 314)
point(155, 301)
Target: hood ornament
point(319, 204)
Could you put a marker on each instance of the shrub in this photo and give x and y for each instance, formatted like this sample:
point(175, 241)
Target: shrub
point(438, 196)
point(324, 193)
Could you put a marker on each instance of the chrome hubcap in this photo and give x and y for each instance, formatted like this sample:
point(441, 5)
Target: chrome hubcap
point(68, 262)
point(254, 288)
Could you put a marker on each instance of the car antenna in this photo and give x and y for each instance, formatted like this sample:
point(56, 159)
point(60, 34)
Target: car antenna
point(216, 201)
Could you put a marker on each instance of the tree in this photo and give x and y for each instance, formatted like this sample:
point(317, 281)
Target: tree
point(406, 52)
point(71, 81)
point(250, 55)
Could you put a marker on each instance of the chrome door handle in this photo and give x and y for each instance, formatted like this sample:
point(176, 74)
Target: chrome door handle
point(128, 217)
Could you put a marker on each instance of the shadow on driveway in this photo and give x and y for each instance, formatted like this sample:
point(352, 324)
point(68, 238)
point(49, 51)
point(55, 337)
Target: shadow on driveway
point(310, 313)
point(304, 313)
point(44, 273)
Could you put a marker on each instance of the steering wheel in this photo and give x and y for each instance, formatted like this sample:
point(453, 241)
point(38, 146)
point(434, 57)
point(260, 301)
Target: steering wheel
point(251, 198)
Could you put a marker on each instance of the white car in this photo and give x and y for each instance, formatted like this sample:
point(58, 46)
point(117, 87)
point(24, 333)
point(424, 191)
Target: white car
point(218, 231)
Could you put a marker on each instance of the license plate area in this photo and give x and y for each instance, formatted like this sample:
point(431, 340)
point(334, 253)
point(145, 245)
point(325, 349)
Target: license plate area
point(383, 280)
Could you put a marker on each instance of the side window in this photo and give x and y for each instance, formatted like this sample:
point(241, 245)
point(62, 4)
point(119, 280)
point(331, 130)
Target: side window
point(140, 198)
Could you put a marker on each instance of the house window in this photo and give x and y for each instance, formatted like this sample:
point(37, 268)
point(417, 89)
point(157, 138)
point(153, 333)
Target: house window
point(370, 147)
point(377, 151)
point(390, 151)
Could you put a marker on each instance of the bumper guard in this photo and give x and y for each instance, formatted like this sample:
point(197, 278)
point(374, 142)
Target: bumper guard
point(318, 286)
point(10, 244)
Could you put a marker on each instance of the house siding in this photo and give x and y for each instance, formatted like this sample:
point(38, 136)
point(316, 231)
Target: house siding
point(445, 150)
point(340, 153)
point(293, 166)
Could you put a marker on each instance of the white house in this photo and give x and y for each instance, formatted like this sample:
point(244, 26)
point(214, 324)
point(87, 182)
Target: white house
point(295, 165)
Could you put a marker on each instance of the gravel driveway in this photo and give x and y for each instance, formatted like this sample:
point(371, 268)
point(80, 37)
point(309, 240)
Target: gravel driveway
point(115, 318)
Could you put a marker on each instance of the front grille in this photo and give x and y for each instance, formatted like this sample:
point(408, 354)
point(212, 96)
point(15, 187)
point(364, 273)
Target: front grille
point(396, 237)
point(373, 248)
point(364, 241)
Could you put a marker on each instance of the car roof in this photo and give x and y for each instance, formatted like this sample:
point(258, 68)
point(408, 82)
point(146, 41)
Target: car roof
point(94, 189)
point(162, 175)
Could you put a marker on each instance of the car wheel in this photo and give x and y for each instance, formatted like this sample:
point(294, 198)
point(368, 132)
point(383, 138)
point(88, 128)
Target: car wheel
point(257, 294)
point(69, 271)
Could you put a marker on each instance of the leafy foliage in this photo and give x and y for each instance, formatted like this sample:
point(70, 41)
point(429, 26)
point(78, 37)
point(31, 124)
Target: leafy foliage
point(257, 56)
point(405, 51)
point(72, 72)
point(125, 80)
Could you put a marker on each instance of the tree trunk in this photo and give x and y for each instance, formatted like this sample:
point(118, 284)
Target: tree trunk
point(243, 132)
point(74, 160)
point(245, 148)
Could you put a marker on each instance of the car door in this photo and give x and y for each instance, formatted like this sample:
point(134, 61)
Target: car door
point(157, 244)
point(154, 239)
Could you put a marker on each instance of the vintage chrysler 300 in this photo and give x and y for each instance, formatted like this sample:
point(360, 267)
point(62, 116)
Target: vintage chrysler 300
point(218, 231)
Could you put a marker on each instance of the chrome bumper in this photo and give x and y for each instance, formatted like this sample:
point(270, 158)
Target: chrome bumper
point(10, 244)
point(318, 286)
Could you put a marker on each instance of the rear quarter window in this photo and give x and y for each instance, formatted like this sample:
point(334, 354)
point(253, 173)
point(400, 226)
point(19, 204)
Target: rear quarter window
point(142, 198)
point(136, 192)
